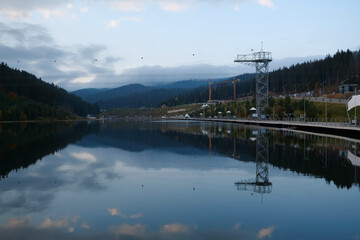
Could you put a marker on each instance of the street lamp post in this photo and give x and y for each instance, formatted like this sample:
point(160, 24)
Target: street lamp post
point(304, 110)
point(323, 84)
point(355, 109)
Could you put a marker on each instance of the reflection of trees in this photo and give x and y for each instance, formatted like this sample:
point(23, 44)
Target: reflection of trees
point(310, 155)
point(305, 154)
point(23, 144)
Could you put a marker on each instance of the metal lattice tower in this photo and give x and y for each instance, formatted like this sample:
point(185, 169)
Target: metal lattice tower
point(261, 61)
point(261, 183)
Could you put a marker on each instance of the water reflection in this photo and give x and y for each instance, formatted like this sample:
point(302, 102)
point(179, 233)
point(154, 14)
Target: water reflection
point(261, 182)
point(174, 180)
point(22, 145)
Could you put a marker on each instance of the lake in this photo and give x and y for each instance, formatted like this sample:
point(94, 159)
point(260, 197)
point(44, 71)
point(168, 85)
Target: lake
point(176, 180)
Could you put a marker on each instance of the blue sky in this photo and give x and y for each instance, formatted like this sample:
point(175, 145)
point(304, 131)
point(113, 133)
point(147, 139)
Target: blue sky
point(108, 43)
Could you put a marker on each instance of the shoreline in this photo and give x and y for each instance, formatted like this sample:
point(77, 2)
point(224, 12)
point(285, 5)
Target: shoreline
point(334, 129)
point(329, 128)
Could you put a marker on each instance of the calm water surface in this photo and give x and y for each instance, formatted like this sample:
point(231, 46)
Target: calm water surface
point(176, 180)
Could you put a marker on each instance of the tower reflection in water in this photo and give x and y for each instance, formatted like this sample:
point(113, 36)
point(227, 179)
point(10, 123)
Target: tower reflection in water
point(261, 183)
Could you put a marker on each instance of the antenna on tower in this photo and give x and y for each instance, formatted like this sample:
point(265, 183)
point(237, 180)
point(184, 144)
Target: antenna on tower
point(262, 46)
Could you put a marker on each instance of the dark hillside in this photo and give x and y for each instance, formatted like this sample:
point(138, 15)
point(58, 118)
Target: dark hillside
point(23, 94)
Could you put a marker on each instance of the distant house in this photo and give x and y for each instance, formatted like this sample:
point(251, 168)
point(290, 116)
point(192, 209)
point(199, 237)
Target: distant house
point(348, 87)
point(89, 116)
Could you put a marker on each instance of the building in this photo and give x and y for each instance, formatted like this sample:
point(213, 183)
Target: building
point(347, 88)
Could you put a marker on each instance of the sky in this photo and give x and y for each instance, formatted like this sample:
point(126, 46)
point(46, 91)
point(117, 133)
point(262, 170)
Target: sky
point(109, 43)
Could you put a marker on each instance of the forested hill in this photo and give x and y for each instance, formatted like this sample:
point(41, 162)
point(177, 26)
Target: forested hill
point(333, 70)
point(23, 96)
point(342, 67)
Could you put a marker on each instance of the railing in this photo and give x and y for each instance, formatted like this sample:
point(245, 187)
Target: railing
point(255, 57)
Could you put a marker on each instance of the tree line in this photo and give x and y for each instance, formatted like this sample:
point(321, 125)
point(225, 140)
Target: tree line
point(327, 74)
point(25, 97)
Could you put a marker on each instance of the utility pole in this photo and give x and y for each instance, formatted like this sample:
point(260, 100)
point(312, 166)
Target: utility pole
point(209, 90)
point(323, 85)
point(234, 90)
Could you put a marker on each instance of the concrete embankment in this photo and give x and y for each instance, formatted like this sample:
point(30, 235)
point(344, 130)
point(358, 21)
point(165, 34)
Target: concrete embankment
point(341, 129)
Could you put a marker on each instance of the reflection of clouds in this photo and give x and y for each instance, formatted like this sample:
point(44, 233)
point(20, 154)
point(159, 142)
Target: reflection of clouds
point(65, 222)
point(17, 222)
point(85, 226)
point(237, 226)
point(33, 189)
point(84, 156)
point(175, 228)
point(24, 200)
point(265, 232)
point(71, 168)
point(116, 212)
point(65, 228)
point(136, 230)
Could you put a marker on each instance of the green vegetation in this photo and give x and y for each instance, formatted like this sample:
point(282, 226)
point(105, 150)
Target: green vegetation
point(25, 97)
point(153, 112)
point(282, 108)
point(308, 76)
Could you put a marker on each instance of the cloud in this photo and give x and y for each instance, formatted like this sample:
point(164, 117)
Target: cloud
point(88, 157)
point(116, 212)
point(85, 226)
point(160, 74)
point(128, 5)
point(84, 79)
point(31, 48)
point(48, 13)
point(65, 222)
point(21, 9)
point(266, 3)
point(175, 228)
point(130, 230)
point(237, 226)
point(84, 9)
point(173, 6)
point(114, 23)
point(17, 222)
point(265, 232)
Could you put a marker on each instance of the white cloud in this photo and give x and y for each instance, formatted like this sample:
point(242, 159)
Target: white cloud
point(84, 9)
point(135, 5)
point(237, 226)
point(265, 232)
point(85, 226)
point(16, 14)
point(132, 19)
point(17, 222)
point(173, 6)
point(21, 9)
point(48, 13)
point(83, 156)
point(113, 23)
point(175, 228)
point(116, 212)
point(64, 223)
point(131, 230)
point(266, 3)
point(84, 79)
point(48, 223)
